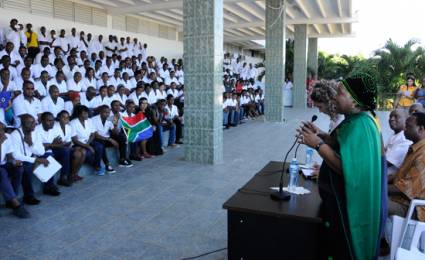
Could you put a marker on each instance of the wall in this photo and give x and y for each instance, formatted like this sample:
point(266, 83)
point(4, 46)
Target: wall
point(156, 46)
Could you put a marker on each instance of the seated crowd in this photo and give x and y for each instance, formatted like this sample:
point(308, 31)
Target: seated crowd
point(64, 97)
point(242, 95)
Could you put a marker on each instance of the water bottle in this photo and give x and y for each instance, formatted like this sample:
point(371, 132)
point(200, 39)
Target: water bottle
point(293, 174)
point(308, 157)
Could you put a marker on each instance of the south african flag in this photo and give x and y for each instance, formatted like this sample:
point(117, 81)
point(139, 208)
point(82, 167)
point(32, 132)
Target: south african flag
point(137, 127)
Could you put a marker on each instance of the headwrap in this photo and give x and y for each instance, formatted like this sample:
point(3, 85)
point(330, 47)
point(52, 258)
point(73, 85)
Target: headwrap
point(73, 95)
point(363, 88)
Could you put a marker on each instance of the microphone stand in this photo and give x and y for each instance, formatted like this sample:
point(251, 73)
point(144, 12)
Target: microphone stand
point(280, 194)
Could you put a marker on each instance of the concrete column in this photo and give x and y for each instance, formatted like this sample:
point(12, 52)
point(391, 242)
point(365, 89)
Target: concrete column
point(300, 66)
point(313, 55)
point(275, 59)
point(203, 68)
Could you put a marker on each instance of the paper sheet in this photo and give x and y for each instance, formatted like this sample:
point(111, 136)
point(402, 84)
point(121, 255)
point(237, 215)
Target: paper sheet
point(45, 173)
point(296, 190)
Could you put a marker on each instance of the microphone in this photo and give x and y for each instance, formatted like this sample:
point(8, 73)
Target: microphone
point(280, 194)
point(313, 118)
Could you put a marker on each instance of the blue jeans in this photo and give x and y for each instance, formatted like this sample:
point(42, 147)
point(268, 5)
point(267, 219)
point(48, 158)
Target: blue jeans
point(63, 156)
point(225, 118)
point(94, 159)
point(171, 136)
point(9, 187)
point(241, 113)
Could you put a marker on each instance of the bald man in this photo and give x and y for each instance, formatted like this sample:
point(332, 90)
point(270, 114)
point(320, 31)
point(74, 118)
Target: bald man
point(397, 145)
point(416, 108)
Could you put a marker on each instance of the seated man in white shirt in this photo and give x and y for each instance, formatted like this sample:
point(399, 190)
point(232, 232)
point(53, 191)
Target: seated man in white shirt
point(108, 67)
point(56, 147)
point(14, 56)
point(60, 83)
point(116, 79)
point(83, 135)
point(172, 78)
point(397, 145)
point(41, 86)
point(120, 95)
point(10, 178)
point(102, 98)
point(30, 151)
point(103, 128)
point(26, 104)
point(53, 102)
point(137, 93)
point(88, 99)
point(6, 84)
point(5, 64)
point(43, 66)
point(173, 115)
point(173, 90)
point(149, 94)
point(230, 116)
point(164, 73)
point(103, 81)
point(76, 83)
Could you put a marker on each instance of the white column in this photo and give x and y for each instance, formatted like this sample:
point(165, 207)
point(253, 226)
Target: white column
point(275, 59)
point(313, 62)
point(203, 64)
point(300, 66)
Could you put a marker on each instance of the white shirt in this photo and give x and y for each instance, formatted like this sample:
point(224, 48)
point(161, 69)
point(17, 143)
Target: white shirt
point(395, 150)
point(47, 137)
point(169, 80)
point(7, 147)
point(133, 96)
point(73, 41)
point(115, 81)
point(81, 46)
point(173, 112)
point(95, 46)
point(14, 56)
point(22, 106)
point(10, 87)
point(110, 70)
point(161, 95)
point(47, 104)
point(253, 73)
point(74, 86)
point(69, 107)
point(13, 71)
point(61, 42)
point(179, 73)
point(100, 83)
point(14, 37)
point(173, 92)
point(23, 151)
point(42, 38)
point(69, 73)
point(41, 88)
point(19, 82)
point(66, 137)
point(129, 84)
point(88, 103)
point(82, 132)
point(98, 101)
point(111, 45)
point(164, 74)
point(39, 68)
point(151, 97)
point(61, 86)
point(103, 129)
point(120, 98)
point(89, 83)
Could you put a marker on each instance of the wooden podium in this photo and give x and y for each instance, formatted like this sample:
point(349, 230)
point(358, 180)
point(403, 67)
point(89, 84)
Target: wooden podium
point(261, 228)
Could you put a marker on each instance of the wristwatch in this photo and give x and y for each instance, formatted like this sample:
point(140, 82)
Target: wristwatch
point(317, 147)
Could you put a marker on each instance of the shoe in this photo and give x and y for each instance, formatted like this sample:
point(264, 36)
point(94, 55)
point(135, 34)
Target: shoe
point(21, 212)
point(53, 191)
point(64, 182)
point(100, 172)
point(164, 150)
point(136, 158)
point(8, 205)
point(179, 142)
point(174, 146)
point(148, 156)
point(125, 163)
point(31, 200)
point(109, 169)
point(77, 178)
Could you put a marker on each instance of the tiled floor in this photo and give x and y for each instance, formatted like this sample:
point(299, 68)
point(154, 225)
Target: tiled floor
point(163, 208)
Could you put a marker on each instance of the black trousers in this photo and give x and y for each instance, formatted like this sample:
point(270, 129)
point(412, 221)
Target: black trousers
point(179, 129)
point(33, 51)
point(121, 139)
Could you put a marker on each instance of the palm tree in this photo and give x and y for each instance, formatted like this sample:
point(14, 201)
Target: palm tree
point(395, 62)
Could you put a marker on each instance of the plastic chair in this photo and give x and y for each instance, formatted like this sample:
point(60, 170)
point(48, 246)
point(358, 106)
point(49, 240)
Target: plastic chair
point(409, 243)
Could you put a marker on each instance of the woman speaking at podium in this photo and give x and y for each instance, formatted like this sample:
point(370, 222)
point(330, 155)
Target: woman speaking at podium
point(351, 176)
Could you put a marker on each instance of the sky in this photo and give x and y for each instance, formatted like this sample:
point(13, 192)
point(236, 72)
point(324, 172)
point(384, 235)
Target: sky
point(378, 21)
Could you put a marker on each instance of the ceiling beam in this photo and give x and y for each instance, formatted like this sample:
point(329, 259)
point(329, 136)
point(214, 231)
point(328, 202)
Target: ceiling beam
point(262, 37)
point(296, 21)
point(172, 4)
